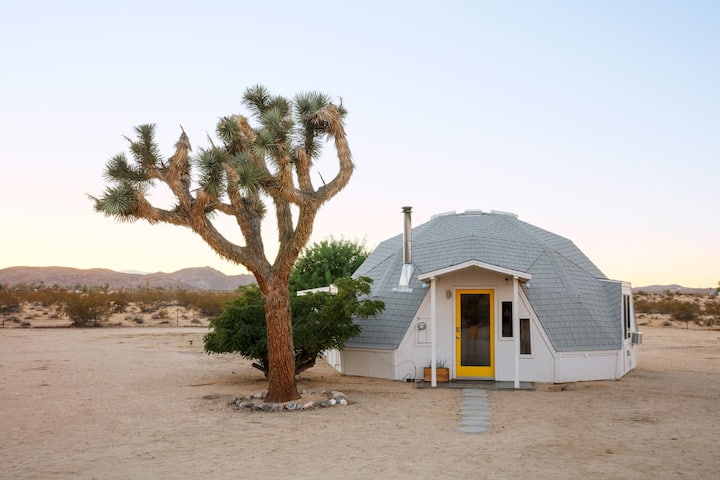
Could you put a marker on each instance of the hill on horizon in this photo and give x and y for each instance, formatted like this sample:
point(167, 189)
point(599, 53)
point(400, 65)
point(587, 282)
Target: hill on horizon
point(195, 278)
point(674, 288)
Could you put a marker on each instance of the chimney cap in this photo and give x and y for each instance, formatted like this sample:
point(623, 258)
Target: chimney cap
point(406, 209)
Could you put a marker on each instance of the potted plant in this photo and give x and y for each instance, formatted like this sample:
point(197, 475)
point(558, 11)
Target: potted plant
point(442, 372)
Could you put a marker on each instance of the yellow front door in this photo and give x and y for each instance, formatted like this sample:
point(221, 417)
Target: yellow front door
point(474, 326)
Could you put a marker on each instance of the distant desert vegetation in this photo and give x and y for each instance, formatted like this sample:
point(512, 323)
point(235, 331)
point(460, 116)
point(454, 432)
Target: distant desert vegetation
point(45, 303)
point(102, 307)
point(61, 297)
point(677, 309)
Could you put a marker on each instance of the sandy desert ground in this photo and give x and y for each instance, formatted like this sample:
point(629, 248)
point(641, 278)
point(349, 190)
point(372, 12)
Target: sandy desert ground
point(119, 403)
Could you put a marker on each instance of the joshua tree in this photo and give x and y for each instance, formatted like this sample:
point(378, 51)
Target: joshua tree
point(250, 166)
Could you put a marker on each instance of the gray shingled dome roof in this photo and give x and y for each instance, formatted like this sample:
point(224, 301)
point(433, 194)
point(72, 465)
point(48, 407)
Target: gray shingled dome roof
point(576, 304)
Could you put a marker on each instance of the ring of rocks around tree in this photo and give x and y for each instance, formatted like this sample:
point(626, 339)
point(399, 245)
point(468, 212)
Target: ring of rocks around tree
point(255, 403)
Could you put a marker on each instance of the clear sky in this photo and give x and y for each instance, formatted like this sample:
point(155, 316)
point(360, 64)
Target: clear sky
point(598, 121)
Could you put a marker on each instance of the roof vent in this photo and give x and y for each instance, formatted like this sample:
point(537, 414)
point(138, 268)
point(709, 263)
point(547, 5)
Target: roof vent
point(500, 212)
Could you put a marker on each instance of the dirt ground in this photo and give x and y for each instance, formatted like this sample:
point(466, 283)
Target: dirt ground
point(119, 403)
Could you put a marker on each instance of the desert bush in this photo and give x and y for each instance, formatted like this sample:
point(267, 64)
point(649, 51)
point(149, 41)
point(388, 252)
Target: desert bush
point(677, 306)
point(712, 307)
point(210, 304)
point(86, 309)
point(9, 303)
point(118, 301)
point(685, 311)
point(44, 297)
point(146, 307)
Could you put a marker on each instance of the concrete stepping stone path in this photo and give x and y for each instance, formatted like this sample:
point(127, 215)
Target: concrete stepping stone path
point(475, 412)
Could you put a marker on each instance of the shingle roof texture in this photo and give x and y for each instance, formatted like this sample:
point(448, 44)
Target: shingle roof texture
point(575, 303)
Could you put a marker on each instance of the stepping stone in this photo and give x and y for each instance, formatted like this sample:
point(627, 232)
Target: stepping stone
point(477, 415)
point(473, 429)
point(485, 425)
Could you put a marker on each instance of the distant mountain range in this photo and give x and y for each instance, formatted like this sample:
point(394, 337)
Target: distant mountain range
point(674, 288)
point(202, 278)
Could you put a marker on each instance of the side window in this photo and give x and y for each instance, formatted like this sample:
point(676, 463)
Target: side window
point(507, 325)
point(626, 316)
point(525, 347)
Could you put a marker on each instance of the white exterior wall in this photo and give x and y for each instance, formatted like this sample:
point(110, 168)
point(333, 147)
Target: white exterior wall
point(586, 366)
point(536, 367)
point(544, 364)
point(334, 359)
point(368, 363)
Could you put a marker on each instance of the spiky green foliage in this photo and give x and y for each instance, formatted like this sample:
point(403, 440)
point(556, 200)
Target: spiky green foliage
point(144, 149)
point(119, 201)
point(228, 131)
point(118, 169)
point(211, 164)
point(250, 176)
point(256, 98)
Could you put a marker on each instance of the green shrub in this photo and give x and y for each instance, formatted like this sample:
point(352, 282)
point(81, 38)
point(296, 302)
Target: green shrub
point(320, 321)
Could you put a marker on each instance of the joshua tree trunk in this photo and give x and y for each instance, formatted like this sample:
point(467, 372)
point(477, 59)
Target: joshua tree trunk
point(281, 357)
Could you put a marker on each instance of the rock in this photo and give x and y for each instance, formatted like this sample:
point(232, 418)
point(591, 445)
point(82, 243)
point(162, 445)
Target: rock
point(250, 402)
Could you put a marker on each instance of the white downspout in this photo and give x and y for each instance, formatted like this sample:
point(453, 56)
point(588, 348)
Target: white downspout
point(516, 331)
point(433, 334)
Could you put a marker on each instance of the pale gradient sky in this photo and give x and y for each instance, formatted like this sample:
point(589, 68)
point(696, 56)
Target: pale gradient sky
point(598, 121)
